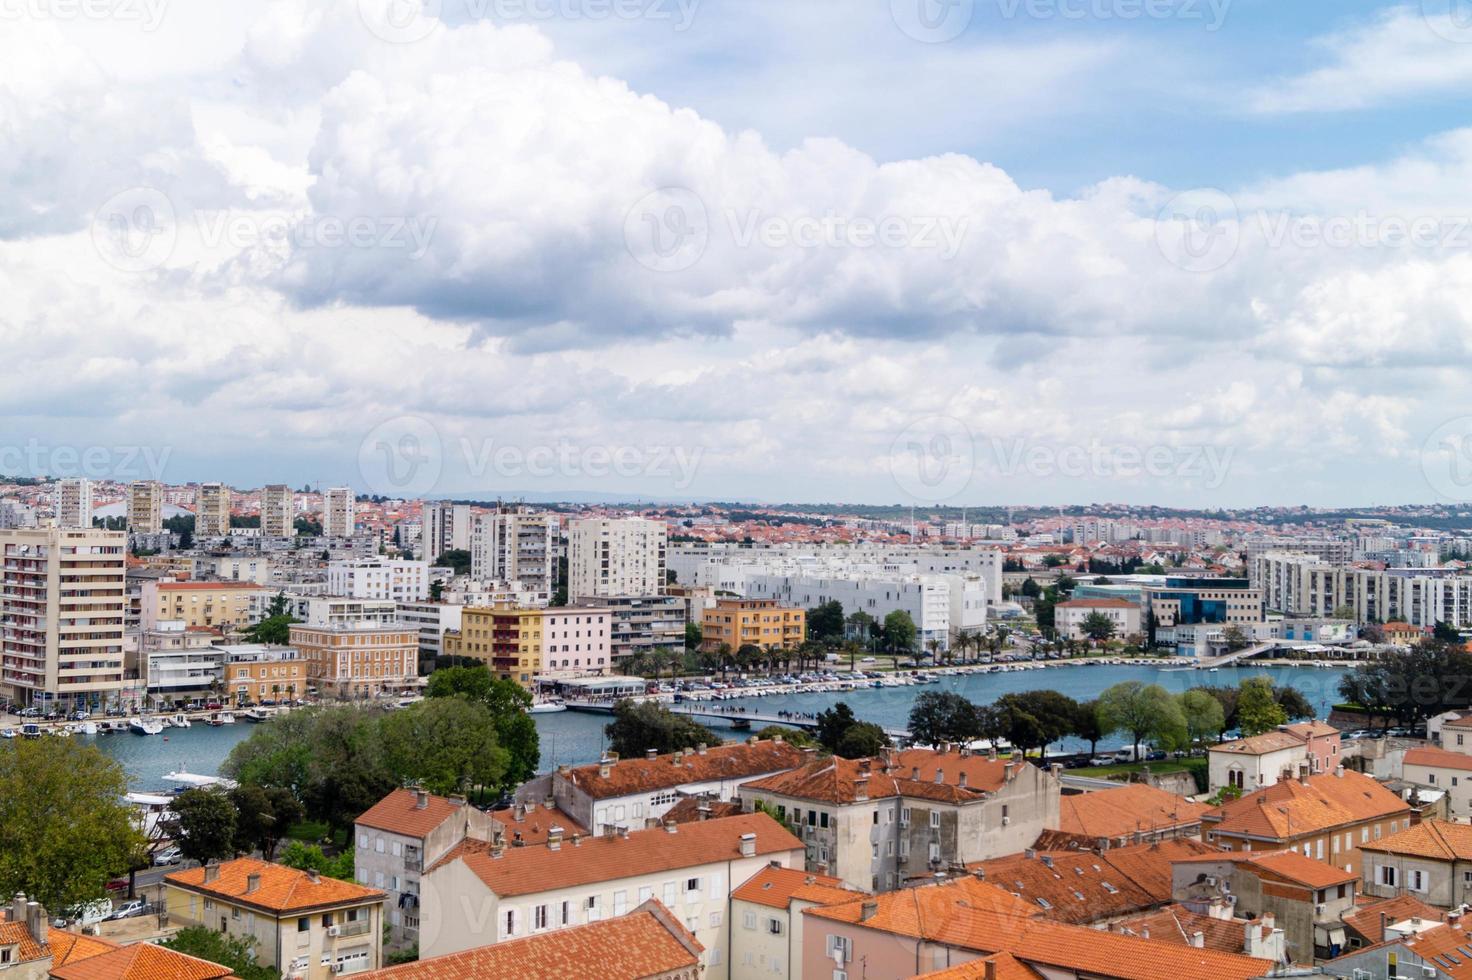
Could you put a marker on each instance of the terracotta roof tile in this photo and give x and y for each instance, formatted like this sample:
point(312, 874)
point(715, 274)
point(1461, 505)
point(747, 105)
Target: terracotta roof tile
point(141, 961)
point(399, 813)
point(1003, 966)
point(1260, 744)
point(529, 870)
point(1296, 868)
point(1437, 943)
point(1115, 813)
point(688, 810)
point(778, 887)
point(1439, 840)
point(836, 780)
point(1177, 924)
point(1291, 809)
point(535, 823)
point(648, 942)
point(1366, 919)
point(1438, 759)
point(737, 761)
point(281, 890)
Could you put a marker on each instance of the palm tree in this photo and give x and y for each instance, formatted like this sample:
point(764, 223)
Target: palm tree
point(933, 647)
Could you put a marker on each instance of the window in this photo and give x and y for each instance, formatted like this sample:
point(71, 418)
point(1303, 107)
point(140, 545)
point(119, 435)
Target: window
point(1416, 880)
point(620, 902)
point(934, 818)
point(692, 884)
point(775, 927)
point(840, 949)
point(904, 816)
point(715, 920)
point(749, 920)
point(304, 924)
point(539, 917)
point(566, 914)
point(1387, 875)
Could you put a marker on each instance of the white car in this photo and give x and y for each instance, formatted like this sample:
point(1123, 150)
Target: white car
point(169, 855)
point(129, 909)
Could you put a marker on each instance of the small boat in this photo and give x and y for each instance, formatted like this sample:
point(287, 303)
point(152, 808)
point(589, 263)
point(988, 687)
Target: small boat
point(7, 733)
point(145, 726)
point(257, 715)
point(30, 730)
point(180, 721)
point(547, 706)
point(61, 731)
point(87, 728)
point(226, 717)
point(114, 727)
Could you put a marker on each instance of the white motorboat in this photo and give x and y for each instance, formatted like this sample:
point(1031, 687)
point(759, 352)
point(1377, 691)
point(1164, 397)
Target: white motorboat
point(226, 717)
point(180, 720)
point(7, 733)
point(257, 714)
point(547, 706)
point(145, 726)
point(88, 728)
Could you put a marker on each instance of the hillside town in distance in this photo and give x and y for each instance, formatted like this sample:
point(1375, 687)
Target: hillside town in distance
point(497, 739)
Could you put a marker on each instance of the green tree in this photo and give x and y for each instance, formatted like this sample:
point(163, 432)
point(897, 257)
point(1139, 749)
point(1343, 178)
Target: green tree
point(445, 745)
point(825, 623)
point(1141, 711)
point(899, 632)
point(793, 736)
point(693, 636)
point(457, 559)
point(1258, 710)
point(638, 727)
point(203, 824)
point(862, 740)
point(1444, 632)
point(1236, 638)
point(310, 857)
point(1295, 706)
point(507, 701)
point(1086, 725)
point(833, 723)
point(262, 816)
point(64, 828)
point(275, 626)
point(1227, 698)
point(1031, 589)
point(1036, 718)
point(1203, 715)
point(1097, 627)
point(943, 716)
point(237, 954)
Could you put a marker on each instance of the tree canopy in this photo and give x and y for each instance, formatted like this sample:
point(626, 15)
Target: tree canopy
point(638, 727)
point(943, 716)
point(1258, 709)
point(507, 702)
point(1142, 711)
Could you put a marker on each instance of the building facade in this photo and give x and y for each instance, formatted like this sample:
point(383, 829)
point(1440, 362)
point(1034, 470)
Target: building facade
point(608, 558)
point(255, 672)
point(515, 545)
point(220, 605)
point(522, 644)
point(339, 512)
point(212, 511)
point(359, 661)
point(392, 579)
point(74, 503)
point(278, 512)
point(757, 622)
point(146, 507)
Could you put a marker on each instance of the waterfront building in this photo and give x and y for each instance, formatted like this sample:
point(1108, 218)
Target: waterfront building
point(758, 622)
point(359, 661)
point(640, 624)
point(525, 645)
point(62, 606)
point(260, 672)
point(298, 922)
point(433, 620)
point(1069, 616)
point(179, 663)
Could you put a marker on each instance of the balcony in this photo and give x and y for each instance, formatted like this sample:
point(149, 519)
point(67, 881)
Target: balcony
point(358, 928)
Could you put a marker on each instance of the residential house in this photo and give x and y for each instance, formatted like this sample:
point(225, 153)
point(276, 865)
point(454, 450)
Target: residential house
point(482, 893)
point(1365, 925)
point(1452, 730)
point(767, 920)
point(225, 605)
point(627, 793)
point(647, 944)
point(1439, 769)
point(957, 923)
point(30, 949)
point(1431, 861)
point(1262, 760)
point(763, 623)
point(1427, 949)
point(1327, 817)
point(401, 835)
point(1259, 938)
point(304, 925)
point(1308, 899)
point(875, 823)
point(1116, 817)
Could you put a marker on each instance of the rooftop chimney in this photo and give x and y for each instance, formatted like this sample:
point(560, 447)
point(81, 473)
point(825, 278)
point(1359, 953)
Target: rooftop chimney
point(651, 754)
point(421, 799)
point(313, 876)
point(252, 883)
point(670, 827)
point(604, 768)
point(623, 833)
point(18, 908)
point(1029, 853)
point(940, 775)
point(868, 910)
point(1198, 939)
point(915, 773)
point(809, 753)
point(861, 789)
point(700, 748)
point(991, 752)
point(498, 851)
point(963, 779)
point(1339, 771)
point(748, 845)
point(704, 811)
point(518, 812)
point(989, 969)
point(211, 871)
point(458, 799)
point(36, 922)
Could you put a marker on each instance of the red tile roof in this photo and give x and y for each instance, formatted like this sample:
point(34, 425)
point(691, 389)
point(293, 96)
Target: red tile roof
point(1438, 759)
point(196, 586)
point(836, 780)
point(1260, 744)
point(778, 887)
point(141, 961)
point(1178, 924)
point(1366, 919)
point(693, 808)
point(535, 823)
point(529, 870)
point(1115, 813)
point(1296, 868)
point(648, 942)
point(998, 966)
point(737, 761)
point(280, 891)
point(399, 813)
point(1439, 840)
point(1291, 809)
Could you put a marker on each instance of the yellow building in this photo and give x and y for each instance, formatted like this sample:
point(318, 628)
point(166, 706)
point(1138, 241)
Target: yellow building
point(255, 672)
point(299, 923)
point(756, 622)
point(359, 661)
point(223, 605)
point(522, 644)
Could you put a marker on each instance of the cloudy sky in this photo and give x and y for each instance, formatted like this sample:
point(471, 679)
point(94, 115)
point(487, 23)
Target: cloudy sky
point(1190, 252)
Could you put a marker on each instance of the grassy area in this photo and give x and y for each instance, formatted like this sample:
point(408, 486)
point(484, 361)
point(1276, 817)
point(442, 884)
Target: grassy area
point(1196, 767)
point(309, 831)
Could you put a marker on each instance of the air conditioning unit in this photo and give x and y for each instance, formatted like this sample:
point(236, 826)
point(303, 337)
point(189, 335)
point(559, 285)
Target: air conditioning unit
point(1006, 821)
point(1428, 971)
point(334, 930)
point(1319, 909)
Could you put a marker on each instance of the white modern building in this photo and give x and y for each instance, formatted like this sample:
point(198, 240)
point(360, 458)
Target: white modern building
point(212, 511)
point(1304, 585)
point(515, 545)
point(445, 527)
point(433, 620)
point(339, 512)
point(397, 580)
point(74, 503)
point(615, 557)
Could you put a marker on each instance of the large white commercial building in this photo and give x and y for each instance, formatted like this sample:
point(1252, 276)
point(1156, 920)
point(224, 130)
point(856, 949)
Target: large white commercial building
point(1303, 585)
point(339, 512)
point(397, 580)
point(74, 503)
point(608, 558)
point(515, 545)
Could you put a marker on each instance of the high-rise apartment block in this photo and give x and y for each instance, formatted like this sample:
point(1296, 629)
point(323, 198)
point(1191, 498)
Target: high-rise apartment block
point(515, 546)
point(339, 507)
point(624, 557)
point(62, 604)
point(278, 512)
point(146, 507)
point(446, 528)
point(212, 511)
point(74, 503)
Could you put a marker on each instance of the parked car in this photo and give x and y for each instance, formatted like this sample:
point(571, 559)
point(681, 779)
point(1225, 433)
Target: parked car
point(129, 909)
point(169, 855)
point(90, 913)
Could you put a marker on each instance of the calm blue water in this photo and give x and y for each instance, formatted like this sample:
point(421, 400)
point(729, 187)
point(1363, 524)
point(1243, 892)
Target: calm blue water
point(573, 737)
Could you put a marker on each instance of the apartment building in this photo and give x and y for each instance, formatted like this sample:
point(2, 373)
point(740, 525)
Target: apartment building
point(328, 610)
point(256, 672)
point(62, 606)
point(339, 512)
point(1262, 760)
point(278, 512)
point(301, 924)
point(763, 623)
point(74, 503)
point(220, 605)
point(146, 507)
point(767, 919)
point(1431, 861)
point(393, 579)
point(622, 557)
point(1303, 585)
point(515, 545)
point(648, 943)
point(178, 663)
point(446, 527)
point(527, 644)
point(1328, 817)
point(1069, 617)
point(212, 511)
point(359, 661)
point(433, 620)
point(642, 623)
point(625, 794)
point(235, 568)
point(483, 893)
point(878, 823)
point(399, 837)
